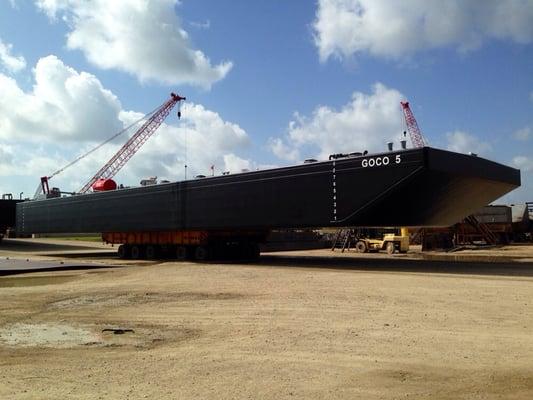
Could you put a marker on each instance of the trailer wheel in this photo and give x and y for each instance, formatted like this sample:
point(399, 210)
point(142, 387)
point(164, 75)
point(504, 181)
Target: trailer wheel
point(181, 253)
point(151, 252)
point(253, 251)
point(136, 252)
point(123, 251)
point(361, 247)
point(201, 253)
point(222, 251)
point(391, 247)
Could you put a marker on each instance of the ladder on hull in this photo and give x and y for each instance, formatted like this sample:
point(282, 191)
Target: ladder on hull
point(344, 239)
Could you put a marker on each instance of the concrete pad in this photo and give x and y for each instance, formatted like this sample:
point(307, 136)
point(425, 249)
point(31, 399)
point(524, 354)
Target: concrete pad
point(20, 266)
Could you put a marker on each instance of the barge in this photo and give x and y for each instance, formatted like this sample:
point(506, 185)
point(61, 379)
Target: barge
point(413, 187)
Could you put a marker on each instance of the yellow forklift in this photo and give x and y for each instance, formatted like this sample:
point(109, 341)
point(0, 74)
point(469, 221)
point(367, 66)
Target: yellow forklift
point(390, 242)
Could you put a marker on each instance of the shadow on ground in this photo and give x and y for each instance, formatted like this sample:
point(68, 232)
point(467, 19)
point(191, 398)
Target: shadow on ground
point(15, 267)
point(25, 246)
point(381, 264)
point(522, 269)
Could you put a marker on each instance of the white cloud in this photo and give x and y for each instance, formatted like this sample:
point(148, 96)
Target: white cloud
point(395, 29)
point(63, 105)
point(201, 25)
point(463, 142)
point(367, 122)
point(200, 140)
point(233, 163)
point(67, 112)
point(523, 134)
point(282, 150)
point(8, 61)
point(141, 37)
point(523, 162)
point(6, 159)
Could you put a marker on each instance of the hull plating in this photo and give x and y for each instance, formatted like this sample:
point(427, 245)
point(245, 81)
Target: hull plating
point(420, 187)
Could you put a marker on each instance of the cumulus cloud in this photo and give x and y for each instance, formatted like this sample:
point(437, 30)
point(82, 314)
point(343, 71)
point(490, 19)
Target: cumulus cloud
point(524, 163)
point(18, 160)
point(282, 150)
point(6, 159)
point(63, 105)
point(141, 37)
point(463, 142)
point(233, 163)
point(67, 112)
point(202, 139)
point(366, 122)
point(394, 29)
point(523, 134)
point(8, 61)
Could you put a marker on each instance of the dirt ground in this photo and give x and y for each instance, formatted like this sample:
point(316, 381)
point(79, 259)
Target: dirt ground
point(299, 325)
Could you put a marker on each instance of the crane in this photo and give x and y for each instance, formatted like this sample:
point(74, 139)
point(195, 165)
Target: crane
point(134, 143)
point(417, 139)
point(127, 151)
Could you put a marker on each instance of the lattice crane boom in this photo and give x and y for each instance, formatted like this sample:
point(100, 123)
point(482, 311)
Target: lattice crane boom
point(417, 139)
point(134, 143)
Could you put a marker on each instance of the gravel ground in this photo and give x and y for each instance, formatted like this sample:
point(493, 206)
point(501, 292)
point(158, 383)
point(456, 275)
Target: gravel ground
point(292, 326)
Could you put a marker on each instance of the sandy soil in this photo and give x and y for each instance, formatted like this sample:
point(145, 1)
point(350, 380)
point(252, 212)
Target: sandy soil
point(292, 326)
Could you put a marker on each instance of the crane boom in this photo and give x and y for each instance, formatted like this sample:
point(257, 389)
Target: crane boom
point(417, 139)
point(134, 143)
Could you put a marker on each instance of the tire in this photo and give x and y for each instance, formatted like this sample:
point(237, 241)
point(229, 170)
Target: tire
point(181, 253)
point(390, 247)
point(136, 252)
point(151, 252)
point(254, 251)
point(361, 247)
point(222, 251)
point(201, 253)
point(124, 251)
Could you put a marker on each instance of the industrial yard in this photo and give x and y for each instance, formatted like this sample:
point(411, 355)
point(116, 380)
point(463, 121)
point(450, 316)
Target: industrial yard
point(328, 199)
point(182, 300)
point(307, 325)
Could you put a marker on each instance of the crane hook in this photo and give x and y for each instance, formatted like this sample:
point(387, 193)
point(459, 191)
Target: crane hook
point(178, 99)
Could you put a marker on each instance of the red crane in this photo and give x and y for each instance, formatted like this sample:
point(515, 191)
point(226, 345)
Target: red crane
point(417, 139)
point(126, 151)
point(134, 143)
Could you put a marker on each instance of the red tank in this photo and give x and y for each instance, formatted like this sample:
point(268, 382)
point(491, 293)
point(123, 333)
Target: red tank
point(104, 184)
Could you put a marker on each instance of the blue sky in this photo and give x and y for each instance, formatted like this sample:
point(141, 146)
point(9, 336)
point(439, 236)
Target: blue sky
point(267, 83)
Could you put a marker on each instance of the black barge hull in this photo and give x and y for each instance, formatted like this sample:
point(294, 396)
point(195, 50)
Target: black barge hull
point(7, 215)
point(418, 187)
